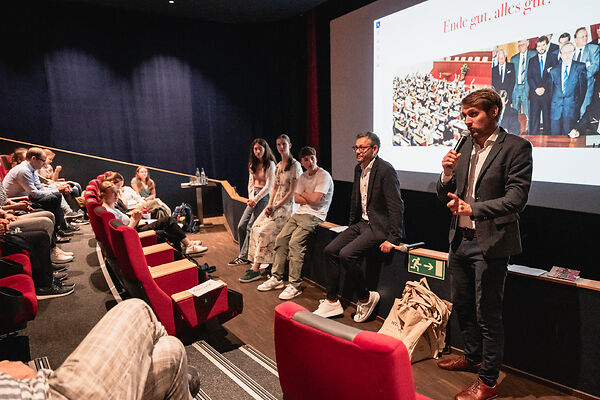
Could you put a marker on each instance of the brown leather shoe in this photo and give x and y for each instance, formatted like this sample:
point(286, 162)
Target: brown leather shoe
point(458, 364)
point(478, 391)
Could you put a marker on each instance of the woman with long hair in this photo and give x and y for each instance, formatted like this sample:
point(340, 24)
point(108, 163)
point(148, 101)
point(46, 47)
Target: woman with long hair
point(279, 208)
point(261, 168)
point(166, 226)
point(143, 184)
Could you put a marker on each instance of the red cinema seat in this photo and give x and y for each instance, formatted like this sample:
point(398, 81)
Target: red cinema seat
point(164, 286)
point(318, 358)
point(18, 302)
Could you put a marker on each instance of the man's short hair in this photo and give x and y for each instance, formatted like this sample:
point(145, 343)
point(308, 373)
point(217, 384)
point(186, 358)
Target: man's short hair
point(307, 151)
point(484, 99)
point(34, 152)
point(542, 39)
point(565, 35)
point(372, 137)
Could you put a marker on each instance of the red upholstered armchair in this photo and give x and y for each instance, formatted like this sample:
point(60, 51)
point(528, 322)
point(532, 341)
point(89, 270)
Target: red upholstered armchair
point(18, 302)
point(164, 287)
point(318, 358)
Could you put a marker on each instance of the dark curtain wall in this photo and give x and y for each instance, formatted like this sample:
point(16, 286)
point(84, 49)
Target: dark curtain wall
point(169, 93)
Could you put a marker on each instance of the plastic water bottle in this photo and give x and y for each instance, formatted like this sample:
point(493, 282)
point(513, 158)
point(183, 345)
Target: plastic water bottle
point(197, 179)
point(203, 178)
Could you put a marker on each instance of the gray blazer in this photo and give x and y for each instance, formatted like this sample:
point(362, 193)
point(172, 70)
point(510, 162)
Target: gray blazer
point(501, 192)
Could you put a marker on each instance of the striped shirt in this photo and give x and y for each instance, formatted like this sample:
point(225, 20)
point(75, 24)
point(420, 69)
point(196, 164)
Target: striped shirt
point(25, 389)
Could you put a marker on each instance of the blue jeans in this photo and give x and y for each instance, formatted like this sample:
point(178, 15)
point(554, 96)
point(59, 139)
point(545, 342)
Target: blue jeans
point(245, 225)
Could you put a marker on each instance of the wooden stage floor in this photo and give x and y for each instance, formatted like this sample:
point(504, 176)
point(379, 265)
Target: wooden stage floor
point(255, 326)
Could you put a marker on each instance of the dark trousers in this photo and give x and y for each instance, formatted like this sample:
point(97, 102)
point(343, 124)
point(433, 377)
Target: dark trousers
point(477, 293)
point(563, 125)
point(39, 256)
point(51, 202)
point(539, 105)
point(168, 227)
point(346, 251)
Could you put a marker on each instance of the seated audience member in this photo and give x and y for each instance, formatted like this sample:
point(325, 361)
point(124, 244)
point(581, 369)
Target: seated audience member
point(314, 191)
point(130, 200)
point(261, 168)
point(18, 156)
point(376, 221)
point(48, 283)
point(30, 219)
point(49, 176)
point(166, 226)
point(143, 184)
point(278, 210)
point(23, 180)
point(127, 355)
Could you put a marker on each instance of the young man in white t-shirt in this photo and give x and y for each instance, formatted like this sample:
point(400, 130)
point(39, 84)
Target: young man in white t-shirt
point(314, 191)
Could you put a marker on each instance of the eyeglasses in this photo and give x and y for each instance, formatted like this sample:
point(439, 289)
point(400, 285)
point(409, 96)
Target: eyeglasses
point(361, 149)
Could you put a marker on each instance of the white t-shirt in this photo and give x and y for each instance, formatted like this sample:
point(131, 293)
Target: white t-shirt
point(319, 182)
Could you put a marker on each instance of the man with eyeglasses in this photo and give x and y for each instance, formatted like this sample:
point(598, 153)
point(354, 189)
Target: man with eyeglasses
point(376, 219)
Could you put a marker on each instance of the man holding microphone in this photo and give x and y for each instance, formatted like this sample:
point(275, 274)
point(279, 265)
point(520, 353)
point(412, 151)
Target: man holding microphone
point(485, 186)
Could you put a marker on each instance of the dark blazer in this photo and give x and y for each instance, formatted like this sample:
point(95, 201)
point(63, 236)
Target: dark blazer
point(535, 78)
point(385, 207)
point(568, 103)
point(509, 79)
point(501, 192)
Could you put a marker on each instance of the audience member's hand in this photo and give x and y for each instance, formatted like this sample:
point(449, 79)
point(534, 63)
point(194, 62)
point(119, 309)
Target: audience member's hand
point(4, 226)
point(10, 217)
point(136, 216)
point(57, 169)
point(23, 205)
point(16, 369)
point(251, 203)
point(386, 247)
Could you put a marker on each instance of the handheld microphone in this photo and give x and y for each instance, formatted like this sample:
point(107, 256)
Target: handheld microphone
point(405, 248)
point(461, 141)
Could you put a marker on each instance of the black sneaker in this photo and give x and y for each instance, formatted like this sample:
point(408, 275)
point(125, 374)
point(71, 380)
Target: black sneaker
point(193, 381)
point(71, 228)
point(64, 233)
point(59, 267)
point(238, 261)
point(53, 291)
point(60, 276)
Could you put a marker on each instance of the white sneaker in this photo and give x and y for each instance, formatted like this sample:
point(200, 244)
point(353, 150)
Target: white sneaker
point(364, 310)
point(328, 309)
point(195, 242)
point(58, 258)
point(66, 253)
point(289, 293)
point(270, 284)
point(195, 249)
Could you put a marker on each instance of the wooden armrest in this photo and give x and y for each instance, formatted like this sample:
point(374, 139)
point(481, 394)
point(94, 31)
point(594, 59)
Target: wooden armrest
point(180, 296)
point(156, 248)
point(146, 234)
point(171, 268)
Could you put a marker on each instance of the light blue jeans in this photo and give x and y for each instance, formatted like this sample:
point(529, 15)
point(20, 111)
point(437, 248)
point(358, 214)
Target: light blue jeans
point(245, 225)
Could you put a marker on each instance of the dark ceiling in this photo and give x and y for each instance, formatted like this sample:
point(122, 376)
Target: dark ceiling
point(229, 11)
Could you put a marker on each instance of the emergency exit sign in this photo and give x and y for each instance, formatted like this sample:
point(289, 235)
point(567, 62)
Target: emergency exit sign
point(428, 263)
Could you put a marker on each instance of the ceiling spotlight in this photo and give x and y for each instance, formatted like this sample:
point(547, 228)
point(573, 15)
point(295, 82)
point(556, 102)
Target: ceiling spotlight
point(171, 1)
